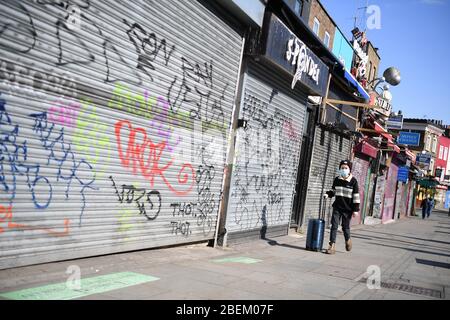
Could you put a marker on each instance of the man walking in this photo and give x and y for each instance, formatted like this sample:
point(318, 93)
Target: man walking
point(346, 205)
point(424, 206)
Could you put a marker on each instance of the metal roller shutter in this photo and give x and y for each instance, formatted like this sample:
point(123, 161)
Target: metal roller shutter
point(328, 151)
point(267, 155)
point(389, 194)
point(360, 171)
point(114, 118)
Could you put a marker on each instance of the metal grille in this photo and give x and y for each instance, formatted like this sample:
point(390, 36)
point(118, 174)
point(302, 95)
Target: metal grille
point(409, 288)
point(267, 153)
point(113, 125)
point(324, 165)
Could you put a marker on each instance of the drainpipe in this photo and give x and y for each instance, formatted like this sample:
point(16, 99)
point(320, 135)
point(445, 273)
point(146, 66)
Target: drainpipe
point(220, 234)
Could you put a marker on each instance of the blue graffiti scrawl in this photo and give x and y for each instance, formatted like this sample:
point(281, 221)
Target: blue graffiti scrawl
point(15, 162)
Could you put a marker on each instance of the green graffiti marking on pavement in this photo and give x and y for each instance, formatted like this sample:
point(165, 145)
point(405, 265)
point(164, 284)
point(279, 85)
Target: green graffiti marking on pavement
point(88, 286)
point(238, 260)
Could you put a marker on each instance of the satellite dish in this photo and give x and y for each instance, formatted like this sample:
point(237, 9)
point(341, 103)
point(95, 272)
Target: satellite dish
point(392, 76)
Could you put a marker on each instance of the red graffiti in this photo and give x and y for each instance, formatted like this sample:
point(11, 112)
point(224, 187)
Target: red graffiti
point(146, 157)
point(7, 216)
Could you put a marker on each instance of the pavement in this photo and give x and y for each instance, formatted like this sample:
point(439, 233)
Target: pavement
point(405, 260)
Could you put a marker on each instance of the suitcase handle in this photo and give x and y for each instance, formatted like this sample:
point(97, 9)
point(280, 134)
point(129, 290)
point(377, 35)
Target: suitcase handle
point(324, 205)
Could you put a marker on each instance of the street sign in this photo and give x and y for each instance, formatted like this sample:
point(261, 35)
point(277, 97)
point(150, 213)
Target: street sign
point(395, 122)
point(423, 158)
point(403, 174)
point(409, 138)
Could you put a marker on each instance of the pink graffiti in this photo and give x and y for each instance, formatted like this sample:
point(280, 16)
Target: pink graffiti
point(64, 114)
point(144, 157)
point(289, 129)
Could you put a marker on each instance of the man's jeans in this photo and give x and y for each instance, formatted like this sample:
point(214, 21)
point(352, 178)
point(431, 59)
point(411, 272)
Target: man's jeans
point(337, 217)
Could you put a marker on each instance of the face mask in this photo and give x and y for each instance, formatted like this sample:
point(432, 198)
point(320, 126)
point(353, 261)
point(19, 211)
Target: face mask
point(344, 172)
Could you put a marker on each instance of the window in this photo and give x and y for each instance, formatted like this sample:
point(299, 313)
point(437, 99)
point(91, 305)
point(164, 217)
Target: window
point(326, 39)
point(374, 72)
point(370, 72)
point(433, 148)
point(445, 153)
point(441, 152)
point(298, 6)
point(316, 26)
point(428, 144)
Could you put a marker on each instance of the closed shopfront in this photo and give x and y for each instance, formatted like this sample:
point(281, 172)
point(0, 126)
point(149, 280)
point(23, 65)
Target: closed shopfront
point(113, 124)
point(330, 148)
point(273, 105)
point(332, 144)
point(267, 154)
point(390, 193)
point(361, 171)
point(378, 200)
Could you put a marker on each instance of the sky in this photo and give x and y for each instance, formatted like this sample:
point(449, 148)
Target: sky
point(414, 36)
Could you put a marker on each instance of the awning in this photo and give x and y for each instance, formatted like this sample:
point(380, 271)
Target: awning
point(365, 148)
point(411, 155)
point(383, 132)
point(356, 84)
point(428, 183)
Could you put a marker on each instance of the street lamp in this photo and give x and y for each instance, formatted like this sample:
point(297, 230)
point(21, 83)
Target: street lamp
point(391, 75)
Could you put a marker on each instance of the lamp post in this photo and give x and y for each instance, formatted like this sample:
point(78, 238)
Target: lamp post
point(391, 75)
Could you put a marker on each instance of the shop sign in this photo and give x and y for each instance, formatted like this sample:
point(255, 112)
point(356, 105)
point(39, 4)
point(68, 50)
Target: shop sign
point(403, 173)
point(423, 158)
point(395, 122)
point(290, 53)
point(409, 138)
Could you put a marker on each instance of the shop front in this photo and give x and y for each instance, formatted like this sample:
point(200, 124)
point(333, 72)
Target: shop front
point(274, 107)
point(113, 119)
point(363, 162)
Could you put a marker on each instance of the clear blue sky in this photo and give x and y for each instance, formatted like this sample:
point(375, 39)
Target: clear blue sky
point(414, 37)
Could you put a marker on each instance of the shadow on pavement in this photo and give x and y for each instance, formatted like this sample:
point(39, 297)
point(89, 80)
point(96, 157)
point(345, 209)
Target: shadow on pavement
point(409, 249)
point(397, 235)
point(434, 263)
point(442, 232)
point(401, 241)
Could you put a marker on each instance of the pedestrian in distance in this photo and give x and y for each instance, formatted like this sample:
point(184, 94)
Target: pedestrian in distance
point(430, 206)
point(424, 206)
point(346, 205)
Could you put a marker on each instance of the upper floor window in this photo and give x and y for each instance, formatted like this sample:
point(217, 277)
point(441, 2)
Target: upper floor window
point(445, 154)
point(298, 6)
point(441, 152)
point(326, 39)
point(434, 146)
point(316, 26)
point(428, 144)
point(370, 71)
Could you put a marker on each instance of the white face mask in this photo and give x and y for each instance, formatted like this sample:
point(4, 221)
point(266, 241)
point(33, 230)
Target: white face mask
point(344, 173)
